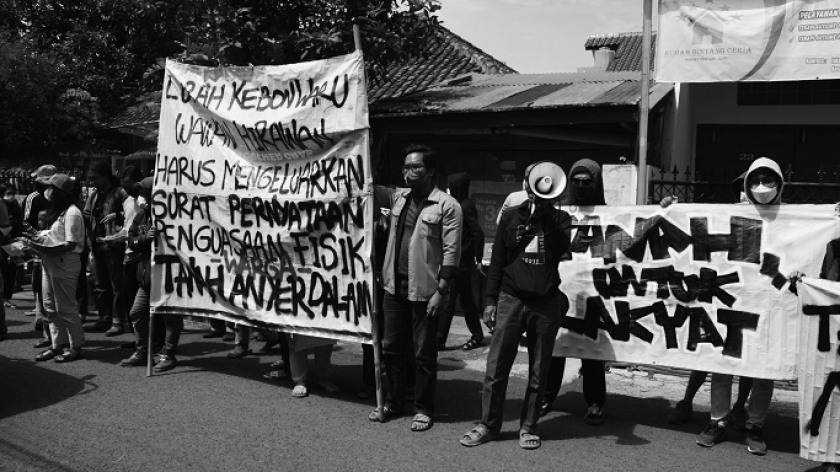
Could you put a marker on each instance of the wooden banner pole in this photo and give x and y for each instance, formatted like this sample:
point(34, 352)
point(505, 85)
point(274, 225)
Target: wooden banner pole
point(644, 106)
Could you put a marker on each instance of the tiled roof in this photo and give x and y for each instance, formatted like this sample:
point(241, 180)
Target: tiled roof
point(487, 93)
point(627, 47)
point(447, 56)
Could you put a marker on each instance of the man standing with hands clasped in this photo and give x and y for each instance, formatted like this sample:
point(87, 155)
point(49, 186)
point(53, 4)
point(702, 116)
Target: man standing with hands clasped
point(423, 253)
point(523, 295)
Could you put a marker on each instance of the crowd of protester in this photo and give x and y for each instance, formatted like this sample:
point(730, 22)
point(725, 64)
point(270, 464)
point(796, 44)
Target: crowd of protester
point(429, 250)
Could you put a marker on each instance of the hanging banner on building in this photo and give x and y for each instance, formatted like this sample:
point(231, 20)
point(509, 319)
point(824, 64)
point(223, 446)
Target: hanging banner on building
point(819, 370)
point(695, 286)
point(748, 40)
point(262, 197)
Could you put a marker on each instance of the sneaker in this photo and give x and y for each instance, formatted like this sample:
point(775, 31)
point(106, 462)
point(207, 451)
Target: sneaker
point(593, 416)
point(114, 330)
point(712, 435)
point(681, 413)
point(165, 362)
point(755, 441)
point(738, 418)
point(139, 358)
point(238, 352)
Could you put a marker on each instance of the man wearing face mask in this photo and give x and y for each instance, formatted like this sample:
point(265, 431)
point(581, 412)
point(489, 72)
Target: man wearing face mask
point(523, 295)
point(763, 185)
point(585, 189)
point(422, 256)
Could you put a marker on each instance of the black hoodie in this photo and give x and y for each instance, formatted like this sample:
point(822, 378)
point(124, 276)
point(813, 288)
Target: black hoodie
point(584, 196)
point(472, 236)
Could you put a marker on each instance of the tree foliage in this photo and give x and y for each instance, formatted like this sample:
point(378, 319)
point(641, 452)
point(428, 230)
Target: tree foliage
point(78, 60)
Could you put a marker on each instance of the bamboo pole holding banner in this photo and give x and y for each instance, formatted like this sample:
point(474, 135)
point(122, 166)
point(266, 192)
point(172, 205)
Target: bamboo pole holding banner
point(644, 105)
point(151, 346)
point(376, 289)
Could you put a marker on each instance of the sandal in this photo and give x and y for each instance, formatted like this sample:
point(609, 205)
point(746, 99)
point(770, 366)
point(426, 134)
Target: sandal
point(387, 414)
point(477, 436)
point(11, 305)
point(238, 352)
point(275, 375)
point(47, 355)
point(529, 441)
point(300, 391)
point(70, 356)
point(421, 422)
point(277, 364)
point(472, 344)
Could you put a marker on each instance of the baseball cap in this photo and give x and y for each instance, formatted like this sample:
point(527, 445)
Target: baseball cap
point(64, 182)
point(43, 174)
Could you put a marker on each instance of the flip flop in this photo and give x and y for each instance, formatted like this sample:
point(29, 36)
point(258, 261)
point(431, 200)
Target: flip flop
point(477, 436)
point(300, 391)
point(529, 441)
point(387, 414)
point(421, 423)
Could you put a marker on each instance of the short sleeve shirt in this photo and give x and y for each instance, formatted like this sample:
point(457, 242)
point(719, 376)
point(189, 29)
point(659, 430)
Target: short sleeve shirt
point(69, 227)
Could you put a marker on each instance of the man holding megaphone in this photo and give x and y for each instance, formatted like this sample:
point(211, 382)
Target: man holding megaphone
point(523, 296)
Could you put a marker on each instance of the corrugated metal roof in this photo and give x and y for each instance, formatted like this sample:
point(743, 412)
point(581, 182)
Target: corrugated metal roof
point(488, 93)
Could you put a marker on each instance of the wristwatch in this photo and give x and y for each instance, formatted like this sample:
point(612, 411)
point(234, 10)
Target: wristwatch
point(442, 291)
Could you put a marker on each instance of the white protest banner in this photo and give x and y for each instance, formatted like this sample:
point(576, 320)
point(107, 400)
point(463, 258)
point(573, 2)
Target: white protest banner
point(262, 197)
point(747, 40)
point(692, 286)
point(819, 370)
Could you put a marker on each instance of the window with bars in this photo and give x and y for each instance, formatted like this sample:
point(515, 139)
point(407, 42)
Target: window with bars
point(805, 92)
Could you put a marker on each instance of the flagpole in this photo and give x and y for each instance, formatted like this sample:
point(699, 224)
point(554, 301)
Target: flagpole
point(644, 105)
point(374, 319)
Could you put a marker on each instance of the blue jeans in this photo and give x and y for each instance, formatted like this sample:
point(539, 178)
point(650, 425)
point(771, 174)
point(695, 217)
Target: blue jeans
point(405, 324)
point(539, 319)
point(167, 327)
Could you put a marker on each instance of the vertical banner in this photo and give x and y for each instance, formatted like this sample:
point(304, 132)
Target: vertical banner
point(702, 287)
point(747, 40)
point(262, 197)
point(819, 370)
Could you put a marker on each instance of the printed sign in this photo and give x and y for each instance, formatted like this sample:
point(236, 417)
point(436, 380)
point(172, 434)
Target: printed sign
point(819, 370)
point(262, 197)
point(692, 286)
point(748, 40)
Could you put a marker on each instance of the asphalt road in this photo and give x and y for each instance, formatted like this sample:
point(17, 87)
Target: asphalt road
point(212, 413)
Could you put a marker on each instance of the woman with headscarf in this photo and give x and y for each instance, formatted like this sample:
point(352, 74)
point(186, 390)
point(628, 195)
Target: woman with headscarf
point(59, 249)
point(585, 188)
point(763, 185)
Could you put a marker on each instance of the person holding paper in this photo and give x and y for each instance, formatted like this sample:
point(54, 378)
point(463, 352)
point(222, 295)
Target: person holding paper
point(422, 256)
point(523, 295)
point(104, 215)
point(34, 204)
point(763, 185)
point(59, 249)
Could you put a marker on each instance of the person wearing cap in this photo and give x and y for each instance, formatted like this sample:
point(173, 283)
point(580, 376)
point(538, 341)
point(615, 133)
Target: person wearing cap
point(59, 248)
point(523, 295)
point(104, 216)
point(34, 204)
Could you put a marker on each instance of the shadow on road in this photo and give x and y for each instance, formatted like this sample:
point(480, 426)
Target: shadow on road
point(27, 386)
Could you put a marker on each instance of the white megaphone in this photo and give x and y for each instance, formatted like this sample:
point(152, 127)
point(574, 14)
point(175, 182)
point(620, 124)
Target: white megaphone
point(547, 180)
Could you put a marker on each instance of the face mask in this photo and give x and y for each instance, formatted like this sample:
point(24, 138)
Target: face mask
point(142, 202)
point(764, 194)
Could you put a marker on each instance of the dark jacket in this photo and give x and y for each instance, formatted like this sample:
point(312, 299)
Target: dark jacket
point(138, 236)
point(15, 218)
point(521, 264)
point(472, 236)
point(585, 196)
